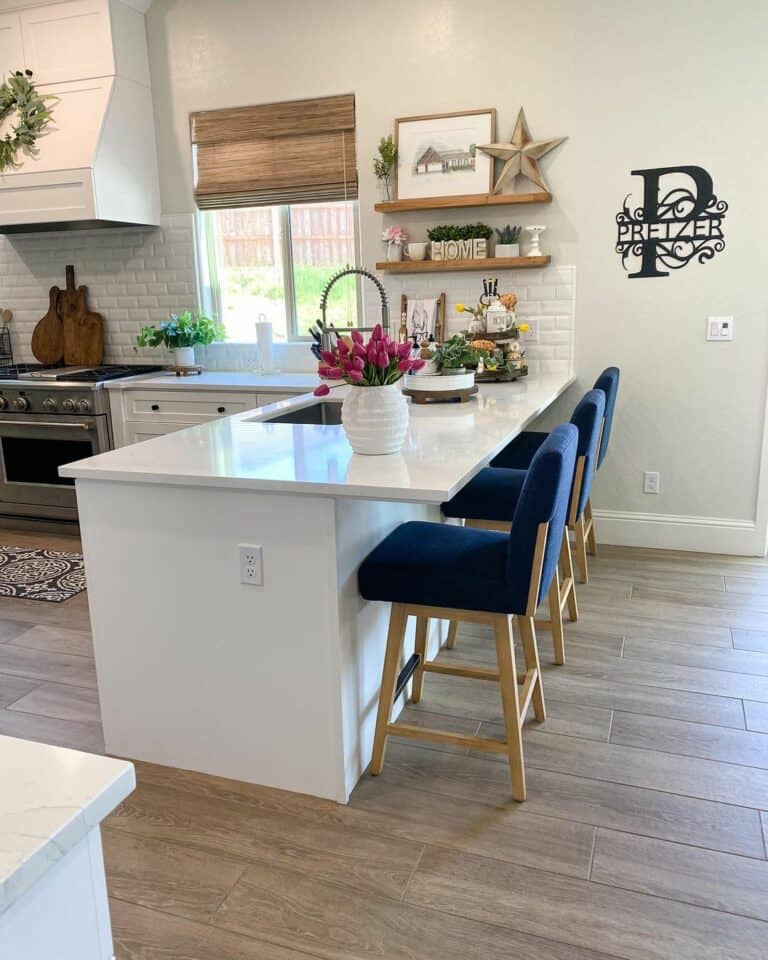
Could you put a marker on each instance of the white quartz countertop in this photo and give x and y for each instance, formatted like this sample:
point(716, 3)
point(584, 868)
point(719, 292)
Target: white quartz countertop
point(49, 800)
point(445, 446)
point(218, 380)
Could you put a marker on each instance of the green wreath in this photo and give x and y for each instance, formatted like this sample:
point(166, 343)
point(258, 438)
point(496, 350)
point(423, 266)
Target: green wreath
point(19, 95)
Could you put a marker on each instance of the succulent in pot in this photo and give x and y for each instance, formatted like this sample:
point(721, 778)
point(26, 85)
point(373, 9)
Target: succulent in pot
point(455, 355)
point(375, 414)
point(182, 333)
point(508, 242)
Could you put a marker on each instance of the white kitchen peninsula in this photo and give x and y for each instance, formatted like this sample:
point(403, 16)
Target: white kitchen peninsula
point(53, 894)
point(275, 683)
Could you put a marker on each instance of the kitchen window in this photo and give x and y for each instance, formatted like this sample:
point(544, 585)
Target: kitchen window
point(274, 261)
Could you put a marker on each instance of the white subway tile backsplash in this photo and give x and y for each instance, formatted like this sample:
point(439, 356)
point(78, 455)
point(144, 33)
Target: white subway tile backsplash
point(548, 295)
point(134, 275)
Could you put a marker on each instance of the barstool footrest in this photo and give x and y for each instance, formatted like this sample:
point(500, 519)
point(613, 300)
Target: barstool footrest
point(440, 736)
point(456, 670)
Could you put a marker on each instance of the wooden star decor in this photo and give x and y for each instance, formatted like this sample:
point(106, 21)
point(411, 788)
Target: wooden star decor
point(522, 154)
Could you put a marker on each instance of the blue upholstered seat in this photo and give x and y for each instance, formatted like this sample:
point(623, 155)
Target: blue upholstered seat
point(440, 565)
point(608, 382)
point(494, 492)
point(517, 455)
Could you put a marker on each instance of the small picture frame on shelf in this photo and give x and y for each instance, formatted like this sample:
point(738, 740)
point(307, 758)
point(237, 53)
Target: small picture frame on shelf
point(424, 317)
point(437, 155)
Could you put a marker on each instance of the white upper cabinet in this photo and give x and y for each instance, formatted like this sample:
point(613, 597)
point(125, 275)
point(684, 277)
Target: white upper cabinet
point(68, 41)
point(11, 47)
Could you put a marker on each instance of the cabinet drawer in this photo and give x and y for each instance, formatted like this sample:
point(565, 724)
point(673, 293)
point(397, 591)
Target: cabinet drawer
point(185, 406)
point(135, 432)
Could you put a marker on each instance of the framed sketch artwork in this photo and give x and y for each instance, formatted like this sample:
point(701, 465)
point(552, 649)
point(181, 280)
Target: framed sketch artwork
point(424, 317)
point(437, 156)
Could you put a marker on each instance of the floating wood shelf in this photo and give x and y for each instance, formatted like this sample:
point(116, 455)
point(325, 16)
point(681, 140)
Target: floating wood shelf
point(466, 200)
point(439, 266)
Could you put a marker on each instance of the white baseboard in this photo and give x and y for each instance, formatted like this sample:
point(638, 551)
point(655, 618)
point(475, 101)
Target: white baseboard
point(676, 532)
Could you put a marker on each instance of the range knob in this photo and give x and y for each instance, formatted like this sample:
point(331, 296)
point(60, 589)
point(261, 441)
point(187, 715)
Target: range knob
point(68, 405)
point(21, 403)
point(3, 403)
point(49, 404)
point(83, 406)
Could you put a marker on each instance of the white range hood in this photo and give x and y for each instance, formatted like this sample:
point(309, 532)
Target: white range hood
point(97, 162)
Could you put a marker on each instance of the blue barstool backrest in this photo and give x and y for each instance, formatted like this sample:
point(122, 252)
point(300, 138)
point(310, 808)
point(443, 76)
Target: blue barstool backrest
point(608, 382)
point(543, 499)
point(588, 418)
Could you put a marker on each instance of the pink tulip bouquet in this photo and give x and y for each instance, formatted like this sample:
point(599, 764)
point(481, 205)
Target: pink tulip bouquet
point(395, 234)
point(378, 363)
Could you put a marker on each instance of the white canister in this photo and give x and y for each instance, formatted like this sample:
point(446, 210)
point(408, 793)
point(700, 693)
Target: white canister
point(375, 419)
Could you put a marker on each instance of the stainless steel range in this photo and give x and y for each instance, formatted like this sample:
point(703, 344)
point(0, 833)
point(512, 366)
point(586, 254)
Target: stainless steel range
point(50, 416)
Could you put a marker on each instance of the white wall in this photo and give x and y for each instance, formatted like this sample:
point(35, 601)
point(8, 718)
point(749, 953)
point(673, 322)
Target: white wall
point(632, 85)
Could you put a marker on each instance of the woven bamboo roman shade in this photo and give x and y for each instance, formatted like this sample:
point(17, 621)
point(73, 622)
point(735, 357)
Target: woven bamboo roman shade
point(298, 151)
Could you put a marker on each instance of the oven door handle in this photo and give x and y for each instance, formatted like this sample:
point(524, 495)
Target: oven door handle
point(43, 423)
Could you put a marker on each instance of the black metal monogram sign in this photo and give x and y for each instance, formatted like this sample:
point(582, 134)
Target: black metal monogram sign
point(675, 223)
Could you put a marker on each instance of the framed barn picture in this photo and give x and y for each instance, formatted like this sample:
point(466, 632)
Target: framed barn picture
point(437, 155)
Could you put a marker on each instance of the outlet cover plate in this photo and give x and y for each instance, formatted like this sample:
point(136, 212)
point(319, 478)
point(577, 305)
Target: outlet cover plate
point(251, 565)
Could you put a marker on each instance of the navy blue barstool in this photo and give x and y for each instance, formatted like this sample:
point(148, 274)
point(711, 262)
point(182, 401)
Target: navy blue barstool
point(489, 500)
point(454, 573)
point(588, 417)
point(608, 382)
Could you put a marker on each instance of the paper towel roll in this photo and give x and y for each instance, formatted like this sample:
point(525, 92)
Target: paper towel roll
point(264, 343)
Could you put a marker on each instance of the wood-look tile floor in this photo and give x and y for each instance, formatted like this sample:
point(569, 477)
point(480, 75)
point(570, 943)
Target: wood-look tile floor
point(643, 838)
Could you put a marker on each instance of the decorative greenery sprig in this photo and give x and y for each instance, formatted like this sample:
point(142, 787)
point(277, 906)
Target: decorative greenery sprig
point(19, 95)
point(384, 163)
point(456, 352)
point(469, 231)
point(182, 330)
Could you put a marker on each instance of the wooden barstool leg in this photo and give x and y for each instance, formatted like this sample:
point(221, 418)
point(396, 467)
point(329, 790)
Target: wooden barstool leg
point(591, 541)
point(397, 621)
point(566, 562)
point(453, 629)
point(509, 699)
point(581, 550)
point(556, 618)
point(531, 654)
point(422, 631)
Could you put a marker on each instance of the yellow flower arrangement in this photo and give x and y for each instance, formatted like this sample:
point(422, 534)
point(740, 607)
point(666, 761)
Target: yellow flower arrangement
point(460, 308)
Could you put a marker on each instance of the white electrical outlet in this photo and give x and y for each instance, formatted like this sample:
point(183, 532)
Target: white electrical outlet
point(651, 481)
point(720, 328)
point(251, 565)
point(531, 335)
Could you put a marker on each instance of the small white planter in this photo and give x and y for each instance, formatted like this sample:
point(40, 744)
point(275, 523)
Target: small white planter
point(394, 252)
point(375, 419)
point(184, 356)
point(507, 249)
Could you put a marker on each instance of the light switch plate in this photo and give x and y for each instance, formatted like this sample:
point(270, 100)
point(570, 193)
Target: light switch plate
point(720, 328)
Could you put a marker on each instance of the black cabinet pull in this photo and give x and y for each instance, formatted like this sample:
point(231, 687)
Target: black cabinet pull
point(155, 406)
point(222, 409)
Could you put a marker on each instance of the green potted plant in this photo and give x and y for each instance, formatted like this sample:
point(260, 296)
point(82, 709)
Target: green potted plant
point(466, 242)
point(384, 163)
point(455, 355)
point(508, 243)
point(182, 333)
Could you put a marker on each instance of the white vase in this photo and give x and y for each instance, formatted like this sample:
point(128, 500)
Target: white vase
point(375, 419)
point(507, 250)
point(184, 356)
point(394, 252)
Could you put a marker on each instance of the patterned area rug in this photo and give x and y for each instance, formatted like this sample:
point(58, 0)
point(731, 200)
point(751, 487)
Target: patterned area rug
point(40, 574)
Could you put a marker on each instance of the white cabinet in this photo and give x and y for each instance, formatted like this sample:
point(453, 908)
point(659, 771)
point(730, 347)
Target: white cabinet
point(68, 41)
point(11, 47)
point(145, 413)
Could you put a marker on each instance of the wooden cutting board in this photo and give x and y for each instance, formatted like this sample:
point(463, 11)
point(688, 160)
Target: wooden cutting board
point(48, 335)
point(83, 329)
